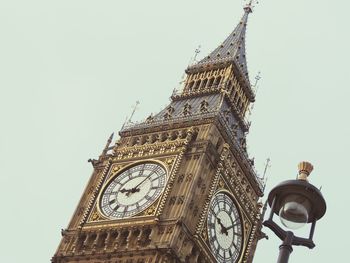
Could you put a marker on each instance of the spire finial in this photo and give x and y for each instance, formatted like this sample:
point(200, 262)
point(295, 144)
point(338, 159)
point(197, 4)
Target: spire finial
point(255, 85)
point(257, 78)
point(249, 7)
point(197, 51)
point(133, 111)
point(193, 60)
point(265, 177)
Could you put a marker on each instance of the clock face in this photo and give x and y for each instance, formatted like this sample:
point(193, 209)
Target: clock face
point(225, 229)
point(133, 190)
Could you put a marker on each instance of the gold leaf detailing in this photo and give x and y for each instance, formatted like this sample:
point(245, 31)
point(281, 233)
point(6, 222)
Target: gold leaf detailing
point(204, 235)
point(96, 217)
point(169, 161)
point(115, 169)
point(151, 210)
point(221, 184)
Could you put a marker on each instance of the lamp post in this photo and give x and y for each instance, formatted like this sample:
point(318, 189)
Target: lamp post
point(297, 202)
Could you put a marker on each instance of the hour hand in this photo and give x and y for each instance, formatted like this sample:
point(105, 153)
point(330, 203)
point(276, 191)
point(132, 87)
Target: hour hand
point(134, 190)
point(124, 190)
point(224, 231)
point(129, 191)
point(223, 228)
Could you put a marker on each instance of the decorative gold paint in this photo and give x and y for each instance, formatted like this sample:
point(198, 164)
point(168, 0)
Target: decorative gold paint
point(305, 169)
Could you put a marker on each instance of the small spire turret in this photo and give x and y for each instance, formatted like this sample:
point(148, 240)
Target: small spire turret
point(108, 143)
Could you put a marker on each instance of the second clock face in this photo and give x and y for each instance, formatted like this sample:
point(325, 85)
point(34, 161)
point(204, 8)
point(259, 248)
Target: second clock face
point(224, 229)
point(133, 190)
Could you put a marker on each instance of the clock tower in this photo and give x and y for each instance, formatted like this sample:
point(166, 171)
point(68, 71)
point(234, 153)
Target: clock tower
point(179, 186)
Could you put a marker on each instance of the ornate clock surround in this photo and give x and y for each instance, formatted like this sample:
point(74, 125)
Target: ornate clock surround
point(132, 190)
point(117, 168)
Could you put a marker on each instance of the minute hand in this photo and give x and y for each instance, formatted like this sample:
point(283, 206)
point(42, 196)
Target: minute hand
point(227, 228)
point(143, 180)
point(233, 225)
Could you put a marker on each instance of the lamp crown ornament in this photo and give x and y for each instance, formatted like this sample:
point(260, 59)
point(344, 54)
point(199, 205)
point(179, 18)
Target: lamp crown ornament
point(305, 169)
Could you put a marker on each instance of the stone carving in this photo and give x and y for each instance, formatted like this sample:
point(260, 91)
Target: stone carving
point(150, 118)
point(187, 109)
point(204, 106)
point(169, 113)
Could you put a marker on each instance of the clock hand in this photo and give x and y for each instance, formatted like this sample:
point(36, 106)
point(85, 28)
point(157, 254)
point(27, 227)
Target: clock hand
point(132, 190)
point(233, 225)
point(219, 221)
point(136, 187)
point(129, 191)
point(227, 228)
point(217, 218)
point(223, 228)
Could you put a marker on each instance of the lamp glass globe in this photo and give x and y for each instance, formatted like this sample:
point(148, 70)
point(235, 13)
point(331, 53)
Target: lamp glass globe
point(294, 213)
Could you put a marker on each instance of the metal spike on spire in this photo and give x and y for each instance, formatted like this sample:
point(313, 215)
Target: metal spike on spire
point(197, 51)
point(267, 165)
point(255, 86)
point(255, 90)
point(249, 7)
point(109, 141)
point(133, 111)
point(257, 78)
point(193, 60)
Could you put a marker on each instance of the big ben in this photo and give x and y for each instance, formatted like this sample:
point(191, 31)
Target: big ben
point(178, 186)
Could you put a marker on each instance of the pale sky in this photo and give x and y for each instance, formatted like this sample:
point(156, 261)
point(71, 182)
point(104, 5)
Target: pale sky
point(71, 71)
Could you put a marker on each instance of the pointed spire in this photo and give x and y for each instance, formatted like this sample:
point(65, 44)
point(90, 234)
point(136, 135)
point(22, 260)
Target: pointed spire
point(232, 50)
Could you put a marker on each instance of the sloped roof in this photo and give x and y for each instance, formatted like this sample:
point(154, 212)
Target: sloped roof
point(232, 49)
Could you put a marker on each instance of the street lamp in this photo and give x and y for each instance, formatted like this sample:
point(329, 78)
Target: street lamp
point(297, 202)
